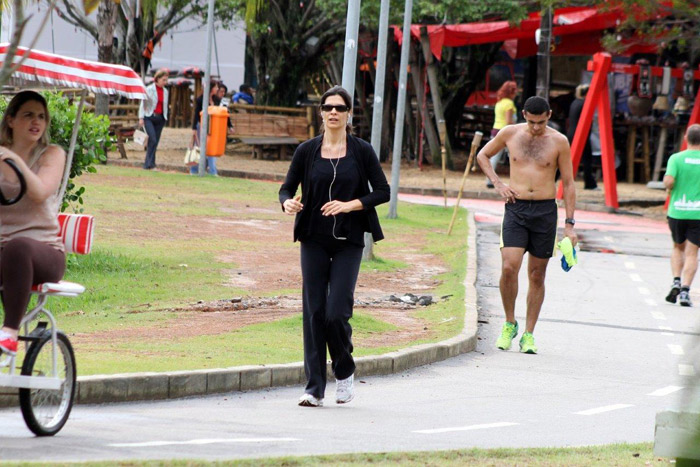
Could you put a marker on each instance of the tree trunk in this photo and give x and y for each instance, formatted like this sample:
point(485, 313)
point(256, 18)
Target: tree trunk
point(543, 54)
point(435, 95)
point(106, 20)
point(419, 85)
point(389, 92)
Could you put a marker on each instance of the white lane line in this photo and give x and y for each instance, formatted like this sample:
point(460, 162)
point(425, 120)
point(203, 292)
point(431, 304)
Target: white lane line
point(650, 302)
point(606, 408)
point(148, 444)
point(643, 291)
point(630, 265)
point(609, 239)
point(686, 370)
point(666, 328)
point(635, 277)
point(658, 315)
point(466, 428)
point(665, 391)
point(675, 349)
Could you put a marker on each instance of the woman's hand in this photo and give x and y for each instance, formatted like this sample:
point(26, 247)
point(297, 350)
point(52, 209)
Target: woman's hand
point(7, 154)
point(141, 123)
point(7, 173)
point(293, 205)
point(333, 208)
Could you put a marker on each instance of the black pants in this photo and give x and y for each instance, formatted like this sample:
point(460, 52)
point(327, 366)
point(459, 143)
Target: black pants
point(23, 263)
point(589, 181)
point(154, 127)
point(329, 270)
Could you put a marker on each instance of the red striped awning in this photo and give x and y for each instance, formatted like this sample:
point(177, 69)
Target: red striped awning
point(57, 70)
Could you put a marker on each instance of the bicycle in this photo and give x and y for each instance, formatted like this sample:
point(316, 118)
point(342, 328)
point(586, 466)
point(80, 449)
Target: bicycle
point(47, 378)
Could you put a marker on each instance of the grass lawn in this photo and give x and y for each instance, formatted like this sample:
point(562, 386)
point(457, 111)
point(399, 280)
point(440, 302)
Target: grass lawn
point(607, 455)
point(166, 241)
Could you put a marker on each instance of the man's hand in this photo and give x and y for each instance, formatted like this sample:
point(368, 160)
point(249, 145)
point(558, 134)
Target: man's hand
point(508, 194)
point(293, 205)
point(569, 232)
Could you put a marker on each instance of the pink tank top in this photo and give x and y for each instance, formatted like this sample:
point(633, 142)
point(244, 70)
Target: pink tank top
point(38, 221)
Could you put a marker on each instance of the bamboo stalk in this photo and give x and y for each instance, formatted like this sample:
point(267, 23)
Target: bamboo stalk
point(476, 142)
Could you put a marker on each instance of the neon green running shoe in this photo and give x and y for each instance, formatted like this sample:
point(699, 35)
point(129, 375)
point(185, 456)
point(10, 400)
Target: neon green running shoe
point(527, 343)
point(510, 330)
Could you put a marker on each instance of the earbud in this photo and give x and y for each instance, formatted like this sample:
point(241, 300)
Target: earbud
point(330, 198)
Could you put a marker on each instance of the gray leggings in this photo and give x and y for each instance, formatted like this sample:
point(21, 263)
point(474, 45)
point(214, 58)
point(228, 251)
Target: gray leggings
point(23, 263)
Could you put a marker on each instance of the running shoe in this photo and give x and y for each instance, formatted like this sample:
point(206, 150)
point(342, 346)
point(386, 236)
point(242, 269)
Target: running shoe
point(527, 343)
point(8, 344)
point(344, 390)
point(309, 400)
point(685, 298)
point(510, 330)
point(673, 294)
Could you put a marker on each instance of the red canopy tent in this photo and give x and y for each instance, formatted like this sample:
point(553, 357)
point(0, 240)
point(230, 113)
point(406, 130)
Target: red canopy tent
point(43, 68)
point(576, 31)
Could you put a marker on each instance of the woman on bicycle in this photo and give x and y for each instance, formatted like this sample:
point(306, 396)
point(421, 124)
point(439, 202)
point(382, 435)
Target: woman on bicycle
point(31, 251)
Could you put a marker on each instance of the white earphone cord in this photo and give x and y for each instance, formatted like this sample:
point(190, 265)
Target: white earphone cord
point(330, 198)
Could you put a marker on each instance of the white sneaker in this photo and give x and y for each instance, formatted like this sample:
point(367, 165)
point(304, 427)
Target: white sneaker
point(344, 390)
point(309, 400)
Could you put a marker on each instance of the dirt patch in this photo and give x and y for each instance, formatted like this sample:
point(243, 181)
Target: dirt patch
point(265, 264)
point(223, 316)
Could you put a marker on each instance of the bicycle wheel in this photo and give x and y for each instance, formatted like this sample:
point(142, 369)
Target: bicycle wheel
point(45, 411)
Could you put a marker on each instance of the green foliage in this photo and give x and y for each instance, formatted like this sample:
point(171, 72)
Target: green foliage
point(90, 148)
point(93, 140)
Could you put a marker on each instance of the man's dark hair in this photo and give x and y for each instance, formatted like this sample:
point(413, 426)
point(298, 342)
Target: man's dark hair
point(536, 105)
point(245, 88)
point(693, 134)
point(222, 85)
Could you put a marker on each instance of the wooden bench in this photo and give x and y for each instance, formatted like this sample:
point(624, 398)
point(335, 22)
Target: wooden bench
point(270, 134)
point(123, 126)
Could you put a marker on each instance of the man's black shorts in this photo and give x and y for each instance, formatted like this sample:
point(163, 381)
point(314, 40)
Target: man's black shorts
point(685, 229)
point(531, 225)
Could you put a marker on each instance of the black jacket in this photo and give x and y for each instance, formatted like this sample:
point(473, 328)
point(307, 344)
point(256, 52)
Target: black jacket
point(370, 172)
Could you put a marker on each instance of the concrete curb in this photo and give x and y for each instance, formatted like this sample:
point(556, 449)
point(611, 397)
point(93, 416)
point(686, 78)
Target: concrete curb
point(676, 435)
point(170, 385)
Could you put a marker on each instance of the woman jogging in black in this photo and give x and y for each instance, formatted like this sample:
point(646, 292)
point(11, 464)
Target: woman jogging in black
point(333, 212)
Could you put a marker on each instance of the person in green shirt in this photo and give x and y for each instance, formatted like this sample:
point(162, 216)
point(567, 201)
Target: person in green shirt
point(682, 181)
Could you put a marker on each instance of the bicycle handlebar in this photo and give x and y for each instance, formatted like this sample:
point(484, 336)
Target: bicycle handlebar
point(22, 185)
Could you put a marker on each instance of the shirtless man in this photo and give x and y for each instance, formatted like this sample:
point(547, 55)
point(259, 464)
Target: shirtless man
point(530, 219)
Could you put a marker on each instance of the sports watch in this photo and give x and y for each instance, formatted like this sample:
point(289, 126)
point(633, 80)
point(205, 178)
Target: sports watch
point(570, 220)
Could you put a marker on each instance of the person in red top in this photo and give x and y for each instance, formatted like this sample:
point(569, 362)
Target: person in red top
point(153, 113)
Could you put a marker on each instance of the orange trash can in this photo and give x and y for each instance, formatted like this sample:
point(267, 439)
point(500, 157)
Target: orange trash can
point(218, 126)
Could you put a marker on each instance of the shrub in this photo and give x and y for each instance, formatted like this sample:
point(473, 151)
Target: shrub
point(91, 145)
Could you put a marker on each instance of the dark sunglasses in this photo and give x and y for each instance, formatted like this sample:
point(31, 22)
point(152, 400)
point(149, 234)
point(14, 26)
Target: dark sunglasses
point(339, 107)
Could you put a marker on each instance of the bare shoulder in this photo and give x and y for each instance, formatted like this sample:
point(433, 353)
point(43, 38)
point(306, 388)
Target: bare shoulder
point(54, 155)
point(54, 150)
point(511, 131)
point(558, 138)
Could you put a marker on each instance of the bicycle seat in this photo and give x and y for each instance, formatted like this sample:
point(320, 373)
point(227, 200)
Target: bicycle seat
point(60, 288)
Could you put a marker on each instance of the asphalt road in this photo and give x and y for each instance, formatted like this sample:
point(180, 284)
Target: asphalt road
point(612, 354)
